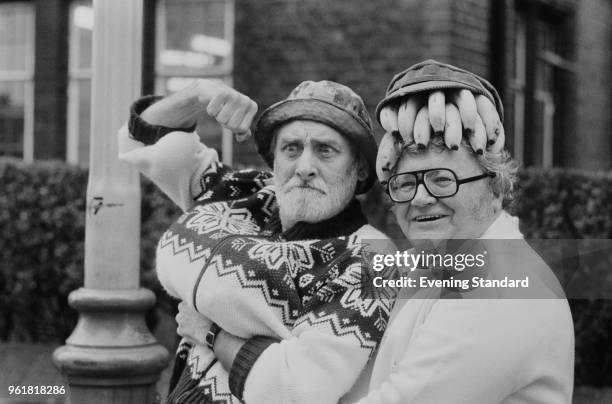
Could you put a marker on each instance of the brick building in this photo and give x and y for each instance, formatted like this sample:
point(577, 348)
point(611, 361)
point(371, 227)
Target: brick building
point(548, 58)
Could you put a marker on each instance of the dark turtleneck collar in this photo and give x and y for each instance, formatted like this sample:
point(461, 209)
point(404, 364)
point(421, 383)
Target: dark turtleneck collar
point(344, 223)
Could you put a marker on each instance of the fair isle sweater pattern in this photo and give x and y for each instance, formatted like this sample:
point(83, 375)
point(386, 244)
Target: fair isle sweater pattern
point(238, 257)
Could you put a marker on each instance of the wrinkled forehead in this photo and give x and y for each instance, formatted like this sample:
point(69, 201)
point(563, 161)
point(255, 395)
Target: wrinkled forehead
point(462, 162)
point(310, 131)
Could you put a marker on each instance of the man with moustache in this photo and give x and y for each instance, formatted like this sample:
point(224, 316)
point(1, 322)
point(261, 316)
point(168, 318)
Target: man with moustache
point(269, 263)
point(479, 345)
point(273, 260)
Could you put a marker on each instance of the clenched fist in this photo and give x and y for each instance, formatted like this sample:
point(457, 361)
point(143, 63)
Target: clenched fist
point(192, 325)
point(232, 109)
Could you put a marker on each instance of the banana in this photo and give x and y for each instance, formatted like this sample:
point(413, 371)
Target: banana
point(388, 118)
point(437, 113)
point(490, 117)
point(406, 116)
point(452, 132)
point(389, 151)
point(422, 129)
point(478, 139)
point(499, 143)
point(464, 100)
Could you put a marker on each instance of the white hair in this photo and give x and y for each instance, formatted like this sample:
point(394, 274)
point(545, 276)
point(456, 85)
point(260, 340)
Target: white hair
point(501, 163)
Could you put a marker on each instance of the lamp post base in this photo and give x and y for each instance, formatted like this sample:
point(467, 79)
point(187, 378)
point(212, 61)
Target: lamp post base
point(111, 357)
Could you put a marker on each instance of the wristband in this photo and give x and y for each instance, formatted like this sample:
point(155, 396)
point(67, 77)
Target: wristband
point(211, 335)
point(143, 131)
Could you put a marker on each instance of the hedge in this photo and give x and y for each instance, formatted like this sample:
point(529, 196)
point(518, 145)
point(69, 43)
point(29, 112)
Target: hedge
point(574, 204)
point(42, 234)
point(42, 225)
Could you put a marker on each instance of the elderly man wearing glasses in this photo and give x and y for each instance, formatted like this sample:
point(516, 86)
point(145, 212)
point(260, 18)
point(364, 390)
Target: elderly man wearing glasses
point(473, 345)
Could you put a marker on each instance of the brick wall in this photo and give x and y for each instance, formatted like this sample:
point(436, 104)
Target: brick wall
point(360, 43)
point(471, 36)
point(282, 42)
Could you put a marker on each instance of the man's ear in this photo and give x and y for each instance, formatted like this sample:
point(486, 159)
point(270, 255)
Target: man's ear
point(362, 174)
point(497, 203)
point(362, 170)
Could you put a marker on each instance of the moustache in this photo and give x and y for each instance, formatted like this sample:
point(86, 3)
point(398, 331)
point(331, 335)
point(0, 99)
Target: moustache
point(303, 185)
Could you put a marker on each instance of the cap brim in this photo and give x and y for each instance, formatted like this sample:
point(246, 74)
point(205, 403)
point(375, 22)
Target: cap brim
point(346, 123)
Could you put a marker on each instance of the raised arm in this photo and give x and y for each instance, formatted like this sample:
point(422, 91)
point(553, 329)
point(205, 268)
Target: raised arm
point(160, 141)
point(233, 110)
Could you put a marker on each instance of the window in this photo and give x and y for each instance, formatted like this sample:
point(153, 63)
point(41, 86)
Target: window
point(195, 40)
point(541, 72)
point(16, 80)
point(79, 82)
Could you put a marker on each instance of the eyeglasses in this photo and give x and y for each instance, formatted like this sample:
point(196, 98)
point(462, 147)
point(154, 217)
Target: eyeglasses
point(439, 182)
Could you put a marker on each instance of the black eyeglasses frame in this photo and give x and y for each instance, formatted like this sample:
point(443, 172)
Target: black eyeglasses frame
point(421, 180)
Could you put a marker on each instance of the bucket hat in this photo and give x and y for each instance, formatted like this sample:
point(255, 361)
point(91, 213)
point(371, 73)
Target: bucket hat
point(326, 102)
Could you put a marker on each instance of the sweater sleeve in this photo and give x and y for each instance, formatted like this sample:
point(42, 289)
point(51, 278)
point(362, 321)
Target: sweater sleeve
point(175, 163)
point(330, 345)
point(478, 351)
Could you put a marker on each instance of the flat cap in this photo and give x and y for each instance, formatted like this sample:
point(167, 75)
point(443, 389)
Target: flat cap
point(431, 75)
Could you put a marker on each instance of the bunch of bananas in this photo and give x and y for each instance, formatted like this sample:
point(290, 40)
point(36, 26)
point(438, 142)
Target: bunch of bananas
point(413, 120)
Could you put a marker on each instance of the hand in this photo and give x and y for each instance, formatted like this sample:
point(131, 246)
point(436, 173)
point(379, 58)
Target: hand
point(232, 109)
point(192, 325)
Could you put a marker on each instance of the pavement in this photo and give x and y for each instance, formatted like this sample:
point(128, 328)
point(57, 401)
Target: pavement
point(26, 364)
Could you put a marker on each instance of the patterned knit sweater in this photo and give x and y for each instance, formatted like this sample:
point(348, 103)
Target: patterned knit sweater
point(294, 295)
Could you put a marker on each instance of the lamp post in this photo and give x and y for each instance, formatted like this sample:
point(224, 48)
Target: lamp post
point(111, 357)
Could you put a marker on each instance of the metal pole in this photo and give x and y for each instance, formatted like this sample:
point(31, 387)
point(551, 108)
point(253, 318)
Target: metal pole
point(111, 357)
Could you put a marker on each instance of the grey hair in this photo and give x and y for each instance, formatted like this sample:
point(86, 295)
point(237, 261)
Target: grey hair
point(502, 164)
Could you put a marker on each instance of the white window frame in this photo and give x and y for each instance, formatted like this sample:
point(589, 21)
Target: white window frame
point(223, 72)
point(75, 75)
point(25, 76)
